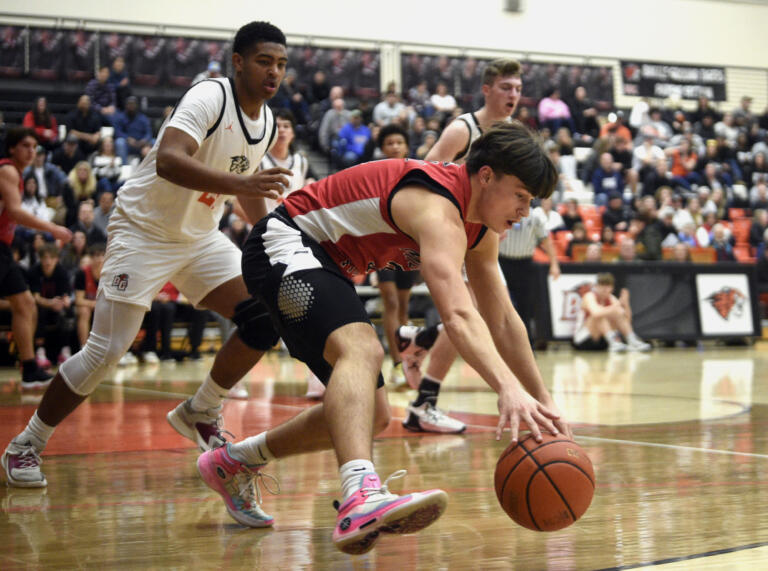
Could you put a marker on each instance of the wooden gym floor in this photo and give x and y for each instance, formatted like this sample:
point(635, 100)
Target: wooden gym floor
point(678, 437)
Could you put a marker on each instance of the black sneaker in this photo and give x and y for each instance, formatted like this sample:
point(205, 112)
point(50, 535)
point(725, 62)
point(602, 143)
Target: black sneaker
point(36, 379)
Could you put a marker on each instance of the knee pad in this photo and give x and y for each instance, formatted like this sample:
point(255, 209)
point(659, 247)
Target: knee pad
point(85, 370)
point(254, 325)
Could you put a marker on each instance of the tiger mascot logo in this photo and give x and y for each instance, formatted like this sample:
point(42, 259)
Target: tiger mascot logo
point(727, 301)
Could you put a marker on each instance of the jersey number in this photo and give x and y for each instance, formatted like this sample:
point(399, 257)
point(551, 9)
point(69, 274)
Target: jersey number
point(208, 199)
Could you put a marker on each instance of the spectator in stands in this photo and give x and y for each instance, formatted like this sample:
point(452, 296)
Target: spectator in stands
point(211, 72)
point(51, 180)
point(758, 228)
point(606, 178)
point(607, 236)
point(727, 129)
point(687, 234)
point(742, 115)
point(706, 127)
point(645, 155)
point(681, 252)
point(666, 226)
point(616, 215)
point(526, 118)
point(722, 243)
point(683, 167)
point(74, 253)
point(352, 140)
point(593, 253)
point(389, 109)
point(86, 288)
point(552, 219)
point(704, 109)
point(419, 98)
point(32, 203)
point(85, 224)
point(51, 287)
point(430, 138)
point(579, 237)
point(333, 120)
point(104, 211)
point(85, 123)
point(571, 215)
point(106, 166)
point(120, 81)
point(553, 112)
point(656, 177)
point(584, 117)
point(628, 250)
point(615, 127)
point(68, 154)
point(102, 93)
point(757, 170)
point(758, 196)
point(658, 128)
point(132, 131)
point(621, 151)
point(82, 181)
point(43, 122)
point(319, 89)
point(645, 232)
point(704, 230)
point(159, 319)
point(442, 102)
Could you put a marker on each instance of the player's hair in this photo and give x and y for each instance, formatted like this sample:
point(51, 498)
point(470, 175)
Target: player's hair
point(605, 278)
point(254, 33)
point(511, 148)
point(500, 68)
point(16, 135)
point(391, 129)
point(49, 249)
point(97, 248)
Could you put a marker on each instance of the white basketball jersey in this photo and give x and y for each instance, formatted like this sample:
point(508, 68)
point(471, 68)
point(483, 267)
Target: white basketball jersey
point(228, 141)
point(474, 133)
point(297, 164)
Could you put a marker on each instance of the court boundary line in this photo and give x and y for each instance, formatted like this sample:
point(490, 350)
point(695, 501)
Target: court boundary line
point(690, 557)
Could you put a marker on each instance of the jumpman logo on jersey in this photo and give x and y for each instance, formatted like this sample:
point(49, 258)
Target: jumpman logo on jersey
point(229, 127)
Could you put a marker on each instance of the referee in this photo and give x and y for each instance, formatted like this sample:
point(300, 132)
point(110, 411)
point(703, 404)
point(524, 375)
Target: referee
point(516, 259)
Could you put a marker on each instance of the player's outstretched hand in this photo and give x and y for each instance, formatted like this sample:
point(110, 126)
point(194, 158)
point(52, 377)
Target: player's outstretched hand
point(515, 405)
point(270, 183)
point(62, 234)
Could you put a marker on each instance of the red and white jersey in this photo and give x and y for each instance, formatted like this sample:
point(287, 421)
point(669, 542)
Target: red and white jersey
point(8, 224)
point(348, 213)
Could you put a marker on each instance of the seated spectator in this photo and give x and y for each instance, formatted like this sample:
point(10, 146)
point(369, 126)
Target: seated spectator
point(552, 219)
point(606, 179)
point(579, 237)
point(645, 231)
point(43, 122)
point(132, 131)
point(443, 102)
point(571, 215)
point(683, 167)
point(102, 213)
point(758, 228)
point(107, 166)
point(758, 196)
point(85, 224)
point(607, 236)
point(615, 127)
point(74, 253)
point(160, 318)
point(120, 81)
point(584, 115)
point(722, 243)
point(727, 129)
point(681, 252)
point(756, 171)
point(352, 140)
point(419, 98)
point(32, 203)
point(666, 227)
point(659, 128)
point(526, 118)
point(211, 72)
point(389, 109)
point(604, 322)
point(593, 253)
point(102, 93)
point(646, 155)
point(430, 138)
point(86, 287)
point(82, 181)
point(85, 124)
point(51, 287)
point(554, 113)
point(628, 250)
point(68, 154)
point(51, 180)
point(616, 215)
point(687, 235)
point(333, 120)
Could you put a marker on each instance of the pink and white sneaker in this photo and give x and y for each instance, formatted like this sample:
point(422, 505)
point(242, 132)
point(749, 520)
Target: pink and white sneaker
point(373, 510)
point(414, 344)
point(236, 483)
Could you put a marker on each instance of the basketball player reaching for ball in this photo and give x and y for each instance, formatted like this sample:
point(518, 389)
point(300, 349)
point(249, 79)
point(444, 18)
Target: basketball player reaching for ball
point(399, 214)
point(502, 87)
point(165, 228)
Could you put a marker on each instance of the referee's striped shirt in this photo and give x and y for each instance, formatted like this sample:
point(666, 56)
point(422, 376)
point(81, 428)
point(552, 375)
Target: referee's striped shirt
point(521, 240)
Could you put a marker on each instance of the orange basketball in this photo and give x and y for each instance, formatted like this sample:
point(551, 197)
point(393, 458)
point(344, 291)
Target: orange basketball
point(544, 486)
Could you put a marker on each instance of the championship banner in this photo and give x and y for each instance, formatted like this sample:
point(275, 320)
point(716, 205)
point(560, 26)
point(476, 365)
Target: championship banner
point(725, 307)
point(565, 301)
point(661, 80)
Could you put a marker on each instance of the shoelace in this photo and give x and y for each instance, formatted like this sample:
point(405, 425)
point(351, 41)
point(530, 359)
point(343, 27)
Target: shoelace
point(434, 413)
point(248, 484)
point(29, 458)
point(383, 490)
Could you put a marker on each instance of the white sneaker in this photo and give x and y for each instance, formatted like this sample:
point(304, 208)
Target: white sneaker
point(21, 463)
point(414, 344)
point(637, 344)
point(202, 428)
point(238, 391)
point(127, 359)
point(150, 357)
point(428, 418)
point(315, 387)
point(617, 347)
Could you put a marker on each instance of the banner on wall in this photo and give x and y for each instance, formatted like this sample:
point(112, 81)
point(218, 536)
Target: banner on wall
point(661, 80)
point(725, 306)
point(565, 301)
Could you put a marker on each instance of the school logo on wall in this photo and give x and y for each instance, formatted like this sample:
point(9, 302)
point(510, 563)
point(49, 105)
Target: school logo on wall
point(725, 306)
point(728, 302)
point(572, 300)
point(239, 164)
point(120, 282)
point(565, 301)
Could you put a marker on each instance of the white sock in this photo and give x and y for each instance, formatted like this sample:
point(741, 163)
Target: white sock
point(36, 433)
point(252, 451)
point(209, 395)
point(632, 338)
point(433, 379)
point(352, 476)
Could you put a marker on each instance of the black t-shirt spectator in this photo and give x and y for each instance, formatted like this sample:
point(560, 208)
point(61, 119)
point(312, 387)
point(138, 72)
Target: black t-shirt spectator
point(66, 162)
point(571, 220)
point(58, 284)
point(92, 235)
point(612, 217)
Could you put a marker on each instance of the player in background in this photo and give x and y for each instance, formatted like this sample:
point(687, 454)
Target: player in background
point(165, 228)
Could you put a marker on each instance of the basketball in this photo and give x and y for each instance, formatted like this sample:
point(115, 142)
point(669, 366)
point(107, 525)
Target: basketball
point(544, 486)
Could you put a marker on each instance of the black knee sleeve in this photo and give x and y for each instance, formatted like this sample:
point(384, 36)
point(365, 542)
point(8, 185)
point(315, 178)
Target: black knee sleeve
point(254, 325)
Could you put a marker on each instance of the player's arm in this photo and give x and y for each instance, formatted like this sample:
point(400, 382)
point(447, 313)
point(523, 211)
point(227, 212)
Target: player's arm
point(9, 192)
point(505, 326)
point(434, 223)
point(250, 209)
point(554, 266)
point(452, 141)
point(590, 304)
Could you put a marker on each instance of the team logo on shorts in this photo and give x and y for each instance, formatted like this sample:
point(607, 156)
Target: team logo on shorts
point(120, 282)
point(239, 164)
